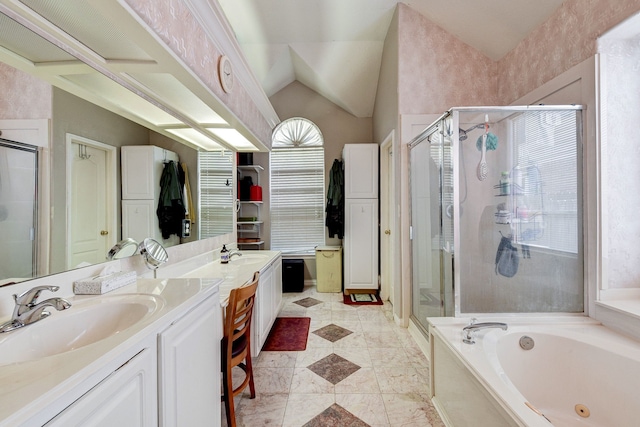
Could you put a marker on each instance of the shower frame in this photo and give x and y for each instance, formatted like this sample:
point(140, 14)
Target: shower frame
point(33, 234)
point(450, 120)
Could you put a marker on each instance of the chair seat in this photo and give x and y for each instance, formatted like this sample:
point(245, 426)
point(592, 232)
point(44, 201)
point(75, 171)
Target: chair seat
point(239, 345)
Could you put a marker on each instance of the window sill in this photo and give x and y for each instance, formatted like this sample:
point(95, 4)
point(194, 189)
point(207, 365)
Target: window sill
point(619, 309)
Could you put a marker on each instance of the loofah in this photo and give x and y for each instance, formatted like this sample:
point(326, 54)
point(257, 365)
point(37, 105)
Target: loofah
point(492, 142)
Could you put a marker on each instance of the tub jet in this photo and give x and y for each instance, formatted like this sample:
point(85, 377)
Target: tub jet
point(582, 410)
point(526, 342)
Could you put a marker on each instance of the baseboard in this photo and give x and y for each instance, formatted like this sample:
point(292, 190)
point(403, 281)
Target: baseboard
point(420, 339)
point(360, 291)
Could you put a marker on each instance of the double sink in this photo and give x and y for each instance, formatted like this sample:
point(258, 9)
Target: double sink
point(93, 319)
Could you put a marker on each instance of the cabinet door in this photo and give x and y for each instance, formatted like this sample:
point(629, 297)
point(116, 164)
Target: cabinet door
point(361, 244)
point(360, 171)
point(138, 219)
point(141, 168)
point(265, 315)
point(127, 398)
point(138, 172)
point(277, 286)
point(189, 366)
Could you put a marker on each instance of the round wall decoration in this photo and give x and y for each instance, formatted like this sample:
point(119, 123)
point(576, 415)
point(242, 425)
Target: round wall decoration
point(225, 71)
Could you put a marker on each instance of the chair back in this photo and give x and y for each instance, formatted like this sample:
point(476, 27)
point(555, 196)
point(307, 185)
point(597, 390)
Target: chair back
point(237, 322)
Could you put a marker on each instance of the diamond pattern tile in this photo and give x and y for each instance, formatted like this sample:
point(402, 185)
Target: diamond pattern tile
point(336, 416)
point(308, 302)
point(332, 332)
point(333, 368)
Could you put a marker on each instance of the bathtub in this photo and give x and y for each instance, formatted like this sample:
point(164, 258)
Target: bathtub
point(578, 373)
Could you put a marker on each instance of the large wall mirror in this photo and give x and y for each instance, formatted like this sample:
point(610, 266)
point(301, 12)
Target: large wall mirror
point(26, 96)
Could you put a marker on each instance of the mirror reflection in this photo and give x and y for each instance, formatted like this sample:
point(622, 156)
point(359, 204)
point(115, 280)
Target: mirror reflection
point(124, 248)
point(63, 189)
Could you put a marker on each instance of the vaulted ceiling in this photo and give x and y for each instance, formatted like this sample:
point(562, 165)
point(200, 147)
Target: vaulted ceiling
point(335, 46)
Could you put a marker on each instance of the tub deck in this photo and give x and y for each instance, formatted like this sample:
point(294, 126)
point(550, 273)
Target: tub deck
point(497, 383)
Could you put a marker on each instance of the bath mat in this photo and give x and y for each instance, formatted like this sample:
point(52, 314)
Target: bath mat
point(288, 334)
point(362, 299)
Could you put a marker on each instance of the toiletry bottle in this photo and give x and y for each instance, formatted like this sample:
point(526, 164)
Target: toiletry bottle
point(224, 255)
point(505, 184)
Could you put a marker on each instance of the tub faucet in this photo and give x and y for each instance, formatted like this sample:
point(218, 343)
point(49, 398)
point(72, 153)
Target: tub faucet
point(27, 310)
point(473, 326)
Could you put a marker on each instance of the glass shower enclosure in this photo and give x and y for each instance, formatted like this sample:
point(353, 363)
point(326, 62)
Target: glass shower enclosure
point(18, 210)
point(496, 212)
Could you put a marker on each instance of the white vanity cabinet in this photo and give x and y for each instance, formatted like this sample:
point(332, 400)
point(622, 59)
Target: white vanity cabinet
point(126, 398)
point(268, 302)
point(189, 368)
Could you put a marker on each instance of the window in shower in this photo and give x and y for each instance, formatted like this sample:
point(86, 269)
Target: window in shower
point(544, 180)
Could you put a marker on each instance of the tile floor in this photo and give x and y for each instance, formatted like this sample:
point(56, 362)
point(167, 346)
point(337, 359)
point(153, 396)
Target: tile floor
point(359, 369)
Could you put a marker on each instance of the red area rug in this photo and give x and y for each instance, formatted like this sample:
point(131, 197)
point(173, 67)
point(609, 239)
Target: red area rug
point(288, 334)
point(362, 299)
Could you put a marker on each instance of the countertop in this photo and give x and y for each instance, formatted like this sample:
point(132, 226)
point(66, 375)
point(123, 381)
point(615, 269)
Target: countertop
point(47, 385)
point(238, 271)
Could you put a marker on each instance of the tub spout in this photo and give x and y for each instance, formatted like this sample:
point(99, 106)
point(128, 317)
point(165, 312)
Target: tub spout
point(469, 329)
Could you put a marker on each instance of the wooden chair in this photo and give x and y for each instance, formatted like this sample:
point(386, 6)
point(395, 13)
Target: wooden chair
point(236, 344)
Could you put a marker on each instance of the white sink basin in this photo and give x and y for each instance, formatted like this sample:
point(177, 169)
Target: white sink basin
point(249, 259)
point(244, 259)
point(86, 322)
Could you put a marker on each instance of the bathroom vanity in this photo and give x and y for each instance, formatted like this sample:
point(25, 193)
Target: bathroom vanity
point(130, 352)
point(238, 271)
point(136, 356)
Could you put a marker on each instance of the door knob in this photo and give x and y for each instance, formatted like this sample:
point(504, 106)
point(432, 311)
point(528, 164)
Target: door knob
point(104, 232)
point(387, 231)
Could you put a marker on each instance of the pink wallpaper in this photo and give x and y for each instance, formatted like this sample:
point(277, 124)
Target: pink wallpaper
point(437, 71)
point(173, 22)
point(23, 96)
point(567, 38)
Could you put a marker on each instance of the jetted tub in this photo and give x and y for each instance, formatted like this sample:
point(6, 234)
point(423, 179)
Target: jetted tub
point(578, 373)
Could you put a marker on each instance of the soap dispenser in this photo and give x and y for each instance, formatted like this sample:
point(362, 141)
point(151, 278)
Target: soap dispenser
point(224, 255)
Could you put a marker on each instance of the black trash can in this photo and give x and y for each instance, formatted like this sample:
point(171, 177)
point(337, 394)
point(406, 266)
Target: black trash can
point(292, 275)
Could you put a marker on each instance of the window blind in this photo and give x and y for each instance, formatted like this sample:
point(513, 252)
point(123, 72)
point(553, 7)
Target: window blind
point(216, 202)
point(547, 172)
point(297, 199)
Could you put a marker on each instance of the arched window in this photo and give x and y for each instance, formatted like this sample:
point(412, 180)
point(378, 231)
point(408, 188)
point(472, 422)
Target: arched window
point(297, 187)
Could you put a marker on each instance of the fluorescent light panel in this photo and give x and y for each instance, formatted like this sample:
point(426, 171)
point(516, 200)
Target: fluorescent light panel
point(195, 137)
point(233, 138)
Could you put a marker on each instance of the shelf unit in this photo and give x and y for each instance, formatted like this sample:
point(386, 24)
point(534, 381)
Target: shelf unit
point(522, 210)
point(250, 229)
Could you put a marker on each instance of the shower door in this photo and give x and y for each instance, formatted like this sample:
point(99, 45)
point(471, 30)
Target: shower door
point(431, 226)
point(18, 192)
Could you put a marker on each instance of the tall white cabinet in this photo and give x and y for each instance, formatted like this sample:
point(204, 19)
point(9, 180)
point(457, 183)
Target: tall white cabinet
point(361, 216)
point(142, 167)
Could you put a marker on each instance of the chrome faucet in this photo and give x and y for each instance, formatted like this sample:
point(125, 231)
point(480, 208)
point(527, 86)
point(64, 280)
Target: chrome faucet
point(473, 326)
point(236, 252)
point(28, 310)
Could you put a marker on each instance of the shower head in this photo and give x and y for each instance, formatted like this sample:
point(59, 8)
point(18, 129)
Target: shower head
point(462, 133)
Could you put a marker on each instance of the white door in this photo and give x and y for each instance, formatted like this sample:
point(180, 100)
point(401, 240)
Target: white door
point(387, 220)
point(90, 223)
point(361, 244)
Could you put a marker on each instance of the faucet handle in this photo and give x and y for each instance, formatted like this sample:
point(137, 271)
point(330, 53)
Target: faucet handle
point(473, 321)
point(30, 296)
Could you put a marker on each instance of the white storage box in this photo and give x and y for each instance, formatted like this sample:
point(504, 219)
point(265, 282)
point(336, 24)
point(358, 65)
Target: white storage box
point(102, 284)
